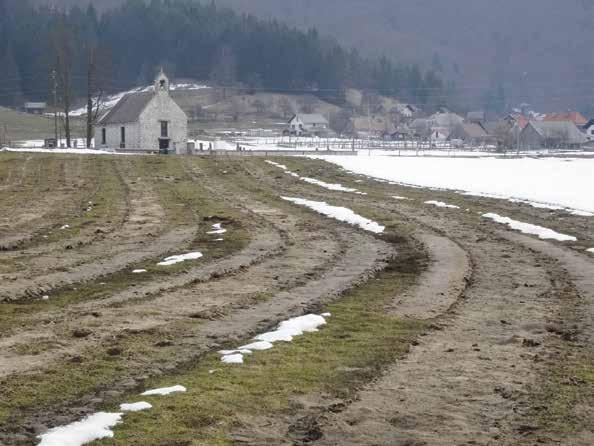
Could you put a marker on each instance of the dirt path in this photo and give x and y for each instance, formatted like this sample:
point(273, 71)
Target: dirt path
point(468, 381)
point(440, 286)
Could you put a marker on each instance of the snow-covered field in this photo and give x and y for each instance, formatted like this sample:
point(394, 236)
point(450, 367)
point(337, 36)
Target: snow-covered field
point(559, 182)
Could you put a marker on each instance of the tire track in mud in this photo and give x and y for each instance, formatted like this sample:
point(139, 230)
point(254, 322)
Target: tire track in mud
point(467, 382)
point(107, 254)
point(573, 330)
point(47, 207)
point(21, 211)
point(319, 260)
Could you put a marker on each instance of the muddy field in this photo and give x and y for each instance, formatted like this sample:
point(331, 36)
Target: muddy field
point(445, 329)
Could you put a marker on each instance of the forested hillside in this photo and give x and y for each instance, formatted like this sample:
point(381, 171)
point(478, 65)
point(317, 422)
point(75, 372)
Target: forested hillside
point(126, 44)
point(538, 51)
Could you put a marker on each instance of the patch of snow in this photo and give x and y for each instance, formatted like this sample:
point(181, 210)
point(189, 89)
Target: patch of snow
point(139, 271)
point(60, 151)
point(135, 407)
point(590, 250)
point(164, 391)
point(291, 328)
point(233, 359)
point(326, 314)
point(551, 181)
point(110, 101)
point(339, 213)
point(329, 186)
point(180, 258)
point(65, 227)
point(94, 427)
point(46, 297)
point(217, 229)
point(286, 331)
point(441, 204)
point(527, 228)
point(217, 232)
point(258, 346)
point(280, 166)
point(233, 352)
point(398, 197)
point(579, 213)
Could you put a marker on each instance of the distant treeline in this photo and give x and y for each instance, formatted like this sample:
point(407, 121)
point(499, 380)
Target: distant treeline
point(189, 40)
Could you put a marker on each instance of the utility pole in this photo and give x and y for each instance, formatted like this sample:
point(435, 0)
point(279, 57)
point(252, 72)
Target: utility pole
point(55, 94)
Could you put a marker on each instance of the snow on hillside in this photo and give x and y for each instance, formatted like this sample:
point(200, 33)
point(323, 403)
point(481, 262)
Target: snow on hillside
point(110, 101)
point(563, 182)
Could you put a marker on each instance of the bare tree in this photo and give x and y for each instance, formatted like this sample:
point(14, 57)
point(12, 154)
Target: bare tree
point(372, 103)
point(62, 43)
point(504, 136)
point(285, 107)
point(341, 122)
point(97, 73)
point(307, 103)
point(259, 105)
point(238, 107)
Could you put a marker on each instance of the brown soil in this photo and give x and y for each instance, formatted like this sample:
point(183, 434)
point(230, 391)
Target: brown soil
point(469, 381)
point(499, 304)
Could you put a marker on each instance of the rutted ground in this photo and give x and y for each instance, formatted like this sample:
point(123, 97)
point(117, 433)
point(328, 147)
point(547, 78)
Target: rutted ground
point(446, 329)
point(295, 252)
point(461, 383)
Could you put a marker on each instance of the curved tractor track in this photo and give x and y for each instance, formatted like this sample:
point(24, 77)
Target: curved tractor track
point(509, 317)
point(293, 262)
point(500, 300)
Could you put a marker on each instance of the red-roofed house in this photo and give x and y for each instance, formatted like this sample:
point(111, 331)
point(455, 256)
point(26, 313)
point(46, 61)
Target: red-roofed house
point(576, 117)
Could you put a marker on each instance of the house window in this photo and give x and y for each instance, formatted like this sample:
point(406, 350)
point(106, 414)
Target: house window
point(123, 137)
point(103, 136)
point(164, 129)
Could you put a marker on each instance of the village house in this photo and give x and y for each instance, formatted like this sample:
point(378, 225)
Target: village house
point(378, 126)
point(308, 124)
point(148, 121)
point(479, 116)
point(576, 117)
point(471, 133)
point(551, 135)
point(439, 134)
point(588, 129)
point(446, 120)
point(35, 108)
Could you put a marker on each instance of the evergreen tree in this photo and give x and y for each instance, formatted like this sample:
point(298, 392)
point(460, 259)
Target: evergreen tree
point(205, 42)
point(11, 93)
